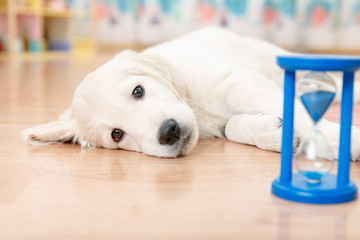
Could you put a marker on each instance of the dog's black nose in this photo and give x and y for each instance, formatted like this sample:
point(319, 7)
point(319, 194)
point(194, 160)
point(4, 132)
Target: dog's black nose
point(169, 132)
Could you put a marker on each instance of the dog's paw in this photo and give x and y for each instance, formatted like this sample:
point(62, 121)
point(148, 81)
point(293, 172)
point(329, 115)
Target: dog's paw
point(270, 138)
point(263, 131)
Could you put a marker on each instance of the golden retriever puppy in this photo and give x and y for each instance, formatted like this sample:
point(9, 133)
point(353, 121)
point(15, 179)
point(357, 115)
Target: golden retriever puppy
point(209, 83)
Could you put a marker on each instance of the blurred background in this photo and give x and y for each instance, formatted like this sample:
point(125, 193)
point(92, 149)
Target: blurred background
point(86, 26)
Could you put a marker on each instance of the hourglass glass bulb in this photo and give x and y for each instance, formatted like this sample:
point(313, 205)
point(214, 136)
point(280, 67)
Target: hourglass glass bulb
point(314, 158)
point(316, 90)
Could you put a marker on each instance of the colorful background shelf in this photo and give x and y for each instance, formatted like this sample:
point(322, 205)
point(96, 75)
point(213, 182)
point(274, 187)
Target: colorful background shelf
point(35, 27)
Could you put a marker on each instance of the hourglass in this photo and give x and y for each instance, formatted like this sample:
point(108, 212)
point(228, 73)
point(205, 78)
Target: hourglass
point(313, 182)
point(316, 91)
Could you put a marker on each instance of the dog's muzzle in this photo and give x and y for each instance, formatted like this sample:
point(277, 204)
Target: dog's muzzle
point(169, 132)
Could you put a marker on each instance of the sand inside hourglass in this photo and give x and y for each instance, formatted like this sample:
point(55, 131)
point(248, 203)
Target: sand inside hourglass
point(316, 103)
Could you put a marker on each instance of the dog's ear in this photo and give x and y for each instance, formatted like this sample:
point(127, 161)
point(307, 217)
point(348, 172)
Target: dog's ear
point(59, 131)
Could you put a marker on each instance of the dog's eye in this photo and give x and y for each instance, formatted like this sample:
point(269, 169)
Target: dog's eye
point(117, 134)
point(138, 92)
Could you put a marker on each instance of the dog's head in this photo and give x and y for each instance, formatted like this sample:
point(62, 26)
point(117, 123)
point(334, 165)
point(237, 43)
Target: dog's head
point(128, 103)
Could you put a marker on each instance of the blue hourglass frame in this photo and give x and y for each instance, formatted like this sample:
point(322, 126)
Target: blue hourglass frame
point(333, 188)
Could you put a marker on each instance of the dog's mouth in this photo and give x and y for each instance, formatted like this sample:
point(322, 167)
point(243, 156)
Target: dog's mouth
point(187, 140)
point(183, 145)
point(188, 143)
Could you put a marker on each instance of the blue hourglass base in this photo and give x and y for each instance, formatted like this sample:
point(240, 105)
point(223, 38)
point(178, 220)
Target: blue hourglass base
point(324, 192)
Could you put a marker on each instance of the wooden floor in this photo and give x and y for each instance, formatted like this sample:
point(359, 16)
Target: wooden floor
point(221, 191)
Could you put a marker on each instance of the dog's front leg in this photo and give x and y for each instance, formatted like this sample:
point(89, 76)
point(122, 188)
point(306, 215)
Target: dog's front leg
point(255, 103)
point(261, 130)
point(265, 131)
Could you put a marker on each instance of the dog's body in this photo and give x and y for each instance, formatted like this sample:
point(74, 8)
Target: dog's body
point(209, 83)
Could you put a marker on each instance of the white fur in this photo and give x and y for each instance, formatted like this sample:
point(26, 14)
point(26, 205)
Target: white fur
point(212, 82)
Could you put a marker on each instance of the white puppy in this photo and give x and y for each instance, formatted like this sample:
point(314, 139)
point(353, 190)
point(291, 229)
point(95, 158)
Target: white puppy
point(209, 83)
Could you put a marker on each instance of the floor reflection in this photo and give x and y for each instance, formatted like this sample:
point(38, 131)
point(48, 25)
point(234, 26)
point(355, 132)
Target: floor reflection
point(311, 221)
